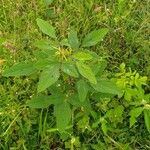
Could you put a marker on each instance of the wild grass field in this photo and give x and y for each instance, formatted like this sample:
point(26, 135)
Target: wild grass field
point(113, 123)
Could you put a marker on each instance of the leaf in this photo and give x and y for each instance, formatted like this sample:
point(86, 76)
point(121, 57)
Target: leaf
point(48, 77)
point(115, 115)
point(86, 72)
point(44, 101)
point(147, 119)
point(82, 56)
point(86, 105)
point(134, 113)
point(42, 64)
point(42, 44)
point(82, 88)
point(94, 37)
point(64, 42)
point(63, 115)
point(20, 70)
point(46, 28)
point(70, 69)
point(73, 40)
point(98, 67)
point(106, 86)
point(48, 2)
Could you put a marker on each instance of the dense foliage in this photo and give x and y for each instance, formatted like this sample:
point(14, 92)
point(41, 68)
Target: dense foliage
point(79, 80)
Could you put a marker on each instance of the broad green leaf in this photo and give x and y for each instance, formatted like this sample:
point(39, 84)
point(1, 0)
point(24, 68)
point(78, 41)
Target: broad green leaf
point(46, 45)
point(106, 86)
point(116, 114)
point(46, 28)
point(20, 70)
point(44, 101)
point(82, 56)
point(48, 77)
point(94, 37)
point(70, 69)
point(129, 93)
point(42, 64)
point(86, 105)
point(82, 88)
point(86, 72)
point(98, 67)
point(65, 42)
point(73, 40)
point(48, 2)
point(63, 115)
point(42, 44)
point(134, 113)
point(147, 119)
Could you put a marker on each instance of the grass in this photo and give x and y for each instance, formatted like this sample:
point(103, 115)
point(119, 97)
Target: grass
point(128, 41)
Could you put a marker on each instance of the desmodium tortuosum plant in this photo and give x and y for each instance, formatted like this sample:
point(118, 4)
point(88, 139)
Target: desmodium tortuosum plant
point(69, 73)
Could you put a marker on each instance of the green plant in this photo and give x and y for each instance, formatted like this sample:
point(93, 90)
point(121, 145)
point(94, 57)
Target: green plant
point(69, 74)
point(132, 86)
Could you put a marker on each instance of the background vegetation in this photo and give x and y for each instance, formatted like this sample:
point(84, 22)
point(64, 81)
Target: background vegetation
point(128, 41)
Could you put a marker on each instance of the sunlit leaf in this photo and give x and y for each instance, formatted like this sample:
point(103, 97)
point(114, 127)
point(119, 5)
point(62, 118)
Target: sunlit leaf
point(46, 28)
point(94, 37)
point(82, 88)
point(70, 69)
point(73, 40)
point(86, 72)
point(48, 77)
point(20, 70)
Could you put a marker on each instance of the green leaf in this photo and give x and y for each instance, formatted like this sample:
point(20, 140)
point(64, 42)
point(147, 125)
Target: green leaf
point(20, 70)
point(134, 113)
point(73, 40)
point(70, 69)
point(98, 67)
point(86, 72)
point(74, 100)
point(42, 64)
point(63, 115)
point(65, 42)
point(82, 88)
point(44, 101)
point(147, 119)
point(82, 56)
point(42, 44)
point(94, 37)
point(106, 86)
point(48, 77)
point(48, 2)
point(46, 28)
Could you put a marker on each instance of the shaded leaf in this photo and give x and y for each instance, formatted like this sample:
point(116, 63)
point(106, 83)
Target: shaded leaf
point(86, 105)
point(147, 119)
point(98, 67)
point(134, 113)
point(44, 101)
point(63, 115)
